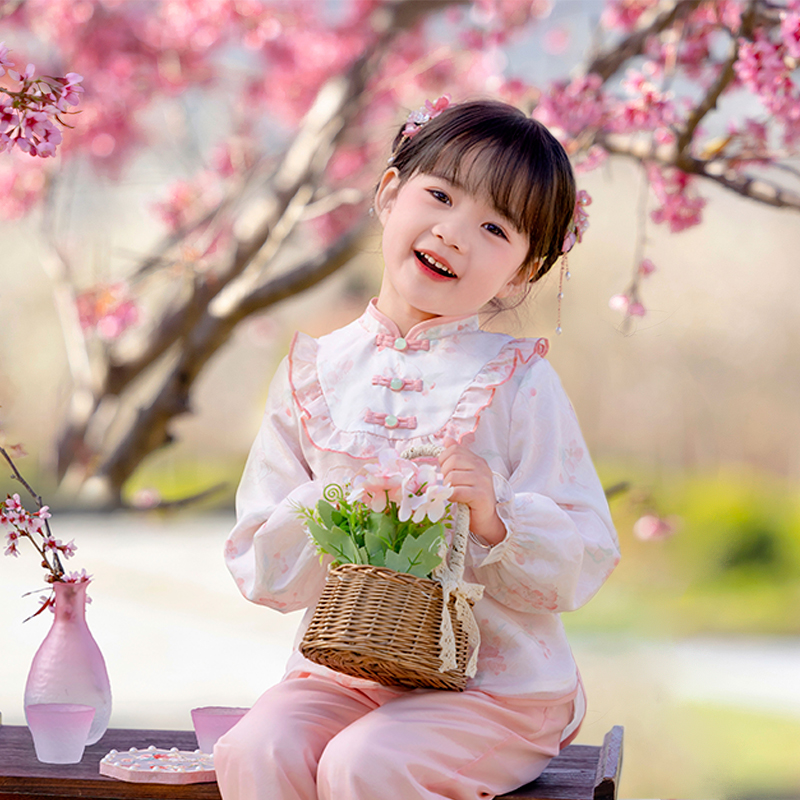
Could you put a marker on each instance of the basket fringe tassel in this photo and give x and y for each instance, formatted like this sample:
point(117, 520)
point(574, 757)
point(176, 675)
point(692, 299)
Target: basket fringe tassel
point(463, 593)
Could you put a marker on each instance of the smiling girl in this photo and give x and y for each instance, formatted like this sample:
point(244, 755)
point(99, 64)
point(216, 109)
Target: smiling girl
point(479, 201)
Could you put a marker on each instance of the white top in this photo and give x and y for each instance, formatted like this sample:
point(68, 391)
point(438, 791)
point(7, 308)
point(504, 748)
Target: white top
point(342, 398)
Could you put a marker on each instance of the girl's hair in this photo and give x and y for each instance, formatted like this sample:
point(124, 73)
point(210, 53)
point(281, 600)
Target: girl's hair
point(493, 149)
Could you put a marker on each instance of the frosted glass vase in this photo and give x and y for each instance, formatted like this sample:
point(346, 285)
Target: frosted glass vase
point(68, 666)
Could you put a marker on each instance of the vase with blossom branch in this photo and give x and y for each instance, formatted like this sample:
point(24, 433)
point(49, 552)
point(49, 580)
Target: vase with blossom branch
point(68, 667)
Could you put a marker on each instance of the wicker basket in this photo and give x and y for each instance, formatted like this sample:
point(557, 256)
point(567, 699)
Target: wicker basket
point(385, 626)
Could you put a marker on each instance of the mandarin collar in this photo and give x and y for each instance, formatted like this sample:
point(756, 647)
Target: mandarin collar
point(375, 321)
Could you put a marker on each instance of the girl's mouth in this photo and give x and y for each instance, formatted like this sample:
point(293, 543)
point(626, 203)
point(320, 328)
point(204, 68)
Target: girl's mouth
point(434, 265)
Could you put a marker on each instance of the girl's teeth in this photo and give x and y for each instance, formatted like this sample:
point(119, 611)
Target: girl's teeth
point(437, 265)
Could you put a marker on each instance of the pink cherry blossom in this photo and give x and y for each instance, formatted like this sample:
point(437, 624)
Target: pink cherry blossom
point(22, 524)
point(790, 32)
point(680, 206)
point(762, 67)
point(70, 90)
point(148, 497)
point(4, 60)
point(649, 108)
point(647, 267)
point(78, 577)
point(636, 309)
point(591, 159)
point(624, 14)
point(650, 528)
point(22, 184)
point(108, 310)
point(575, 106)
point(12, 540)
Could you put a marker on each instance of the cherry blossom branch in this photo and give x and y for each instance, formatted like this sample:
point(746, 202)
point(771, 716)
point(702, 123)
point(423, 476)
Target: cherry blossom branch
point(17, 476)
point(762, 191)
point(609, 62)
point(709, 101)
point(15, 516)
point(667, 156)
point(27, 116)
point(724, 79)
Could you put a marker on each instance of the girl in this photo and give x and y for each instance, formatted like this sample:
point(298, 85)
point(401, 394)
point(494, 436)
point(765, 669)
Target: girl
point(477, 203)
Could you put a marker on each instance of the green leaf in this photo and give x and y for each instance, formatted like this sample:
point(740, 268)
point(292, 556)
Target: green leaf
point(418, 555)
point(326, 512)
point(335, 542)
point(376, 548)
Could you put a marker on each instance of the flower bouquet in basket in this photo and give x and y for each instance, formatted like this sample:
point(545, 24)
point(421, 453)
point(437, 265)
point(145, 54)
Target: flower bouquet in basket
point(395, 608)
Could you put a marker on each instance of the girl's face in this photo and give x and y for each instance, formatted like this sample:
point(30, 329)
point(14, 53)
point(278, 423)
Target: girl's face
point(446, 251)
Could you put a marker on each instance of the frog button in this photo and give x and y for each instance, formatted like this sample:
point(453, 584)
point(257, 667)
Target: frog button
point(400, 343)
point(391, 421)
point(396, 384)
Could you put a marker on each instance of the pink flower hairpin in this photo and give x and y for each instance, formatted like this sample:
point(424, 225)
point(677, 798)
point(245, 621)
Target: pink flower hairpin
point(416, 119)
point(580, 221)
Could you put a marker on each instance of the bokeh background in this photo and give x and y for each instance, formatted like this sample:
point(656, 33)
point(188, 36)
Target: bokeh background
point(694, 643)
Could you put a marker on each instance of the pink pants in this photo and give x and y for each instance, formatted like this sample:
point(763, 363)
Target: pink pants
point(333, 738)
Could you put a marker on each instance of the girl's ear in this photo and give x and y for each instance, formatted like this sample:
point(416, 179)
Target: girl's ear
point(515, 284)
point(386, 194)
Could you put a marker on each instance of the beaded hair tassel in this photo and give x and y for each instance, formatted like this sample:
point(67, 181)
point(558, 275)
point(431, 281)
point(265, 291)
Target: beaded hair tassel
point(580, 222)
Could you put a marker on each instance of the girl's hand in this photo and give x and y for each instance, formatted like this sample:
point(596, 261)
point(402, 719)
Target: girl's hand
point(471, 479)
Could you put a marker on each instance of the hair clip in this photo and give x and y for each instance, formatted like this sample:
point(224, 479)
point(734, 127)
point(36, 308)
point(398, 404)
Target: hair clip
point(416, 119)
point(580, 221)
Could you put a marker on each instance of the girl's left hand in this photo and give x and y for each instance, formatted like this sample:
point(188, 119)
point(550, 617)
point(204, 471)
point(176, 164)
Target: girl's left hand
point(471, 479)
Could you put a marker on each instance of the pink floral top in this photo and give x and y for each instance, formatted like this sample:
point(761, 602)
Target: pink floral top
point(346, 396)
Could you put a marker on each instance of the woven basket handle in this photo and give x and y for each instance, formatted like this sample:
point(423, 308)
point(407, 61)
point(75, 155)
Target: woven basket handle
point(458, 544)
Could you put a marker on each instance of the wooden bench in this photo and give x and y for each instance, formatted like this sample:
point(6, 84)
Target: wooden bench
point(580, 772)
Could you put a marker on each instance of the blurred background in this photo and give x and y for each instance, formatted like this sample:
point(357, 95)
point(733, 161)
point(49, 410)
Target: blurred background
point(694, 643)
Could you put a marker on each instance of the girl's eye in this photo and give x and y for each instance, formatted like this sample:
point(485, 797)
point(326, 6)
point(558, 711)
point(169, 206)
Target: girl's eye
point(439, 195)
point(495, 230)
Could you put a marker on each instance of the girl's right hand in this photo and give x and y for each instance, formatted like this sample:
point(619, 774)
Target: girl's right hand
point(471, 480)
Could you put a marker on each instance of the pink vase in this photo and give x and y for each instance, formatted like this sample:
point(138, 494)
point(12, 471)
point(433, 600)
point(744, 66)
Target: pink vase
point(68, 666)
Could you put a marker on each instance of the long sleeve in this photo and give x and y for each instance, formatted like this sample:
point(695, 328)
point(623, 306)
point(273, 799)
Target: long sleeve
point(268, 552)
point(560, 544)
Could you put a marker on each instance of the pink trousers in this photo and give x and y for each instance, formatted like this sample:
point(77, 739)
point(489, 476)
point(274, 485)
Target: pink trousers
point(334, 738)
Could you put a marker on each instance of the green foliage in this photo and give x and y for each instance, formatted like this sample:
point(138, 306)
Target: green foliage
point(733, 566)
point(354, 534)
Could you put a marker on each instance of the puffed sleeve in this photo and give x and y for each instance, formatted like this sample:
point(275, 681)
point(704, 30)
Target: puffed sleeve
point(268, 552)
point(560, 544)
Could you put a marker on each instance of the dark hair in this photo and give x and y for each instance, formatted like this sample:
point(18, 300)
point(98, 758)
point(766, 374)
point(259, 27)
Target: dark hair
point(494, 149)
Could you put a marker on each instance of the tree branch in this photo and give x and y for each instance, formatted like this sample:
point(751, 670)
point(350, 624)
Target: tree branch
point(150, 429)
point(717, 171)
point(727, 74)
point(607, 63)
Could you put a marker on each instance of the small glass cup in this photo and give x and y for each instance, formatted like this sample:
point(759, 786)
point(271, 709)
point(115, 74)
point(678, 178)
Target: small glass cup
point(210, 722)
point(59, 731)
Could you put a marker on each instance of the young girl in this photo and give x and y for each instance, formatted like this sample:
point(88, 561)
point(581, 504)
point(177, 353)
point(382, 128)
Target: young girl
point(478, 202)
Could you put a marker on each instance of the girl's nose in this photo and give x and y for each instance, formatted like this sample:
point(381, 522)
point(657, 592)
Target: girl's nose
point(449, 235)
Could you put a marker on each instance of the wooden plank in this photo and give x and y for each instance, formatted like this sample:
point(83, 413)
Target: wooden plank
point(579, 772)
point(22, 775)
point(609, 765)
point(569, 776)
